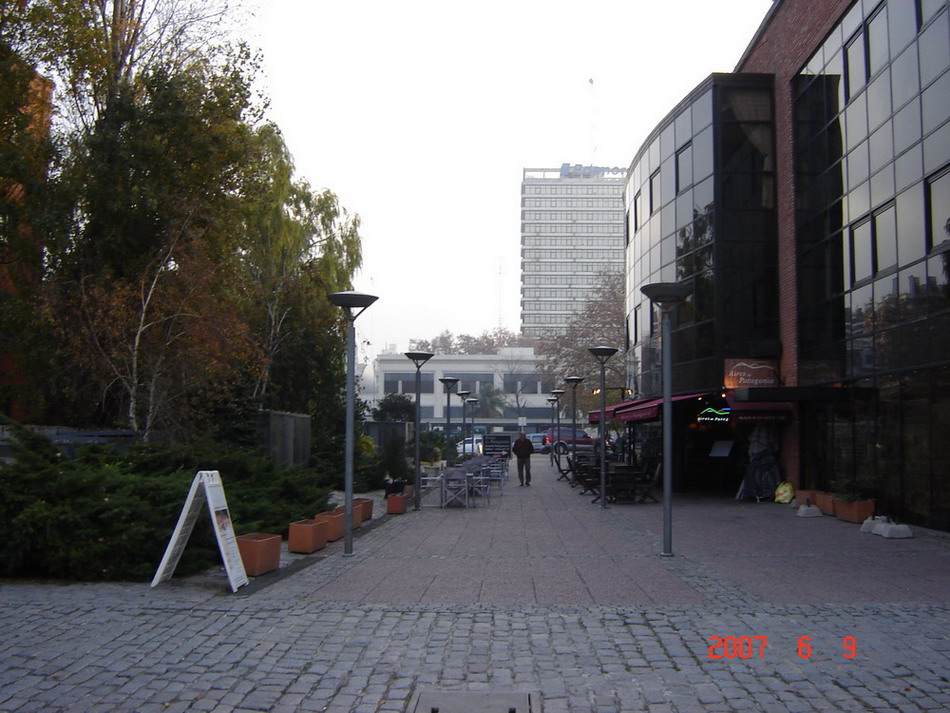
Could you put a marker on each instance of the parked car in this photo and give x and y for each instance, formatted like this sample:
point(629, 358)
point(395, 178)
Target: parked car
point(568, 435)
point(537, 440)
point(469, 446)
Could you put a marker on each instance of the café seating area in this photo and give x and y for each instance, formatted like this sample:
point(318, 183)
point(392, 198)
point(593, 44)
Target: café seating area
point(467, 485)
point(623, 482)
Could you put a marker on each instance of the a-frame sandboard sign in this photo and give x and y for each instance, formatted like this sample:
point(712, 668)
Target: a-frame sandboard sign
point(206, 487)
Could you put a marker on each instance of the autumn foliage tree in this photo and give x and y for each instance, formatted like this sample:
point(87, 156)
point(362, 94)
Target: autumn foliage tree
point(599, 323)
point(186, 268)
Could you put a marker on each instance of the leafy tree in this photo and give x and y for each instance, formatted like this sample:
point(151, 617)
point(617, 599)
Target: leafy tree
point(395, 407)
point(491, 402)
point(600, 322)
point(489, 342)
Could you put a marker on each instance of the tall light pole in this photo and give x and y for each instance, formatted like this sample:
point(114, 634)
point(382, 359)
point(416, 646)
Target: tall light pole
point(667, 295)
point(463, 395)
point(602, 354)
point(448, 382)
point(353, 305)
point(557, 393)
point(418, 358)
point(552, 400)
point(473, 402)
point(574, 381)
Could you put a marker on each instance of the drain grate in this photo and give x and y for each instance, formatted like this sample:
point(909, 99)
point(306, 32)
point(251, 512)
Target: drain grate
point(474, 702)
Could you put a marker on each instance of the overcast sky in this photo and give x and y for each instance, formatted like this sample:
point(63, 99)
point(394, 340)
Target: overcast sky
point(421, 115)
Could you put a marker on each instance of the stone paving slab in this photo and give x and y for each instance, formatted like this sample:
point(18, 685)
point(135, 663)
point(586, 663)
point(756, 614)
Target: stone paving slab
point(540, 591)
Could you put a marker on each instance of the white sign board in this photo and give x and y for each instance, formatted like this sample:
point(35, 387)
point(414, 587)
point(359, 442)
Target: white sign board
point(206, 487)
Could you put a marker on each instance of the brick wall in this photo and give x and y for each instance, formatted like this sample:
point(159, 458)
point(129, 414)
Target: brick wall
point(791, 33)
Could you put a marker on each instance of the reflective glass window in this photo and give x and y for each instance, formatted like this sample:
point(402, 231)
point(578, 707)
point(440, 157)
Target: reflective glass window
point(882, 185)
point(938, 204)
point(902, 25)
point(928, 8)
point(908, 168)
point(879, 100)
point(913, 291)
point(912, 242)
point(858, 165)
point(935, 104)
point(703, 154)
point(938, 284)
point(655, 197)
point(907, 126)
point(856, 122)
point(936, 149)
point(684, 127)
point(855, 65)
point(934, 49)
point(905, 77)
point(878, 52)
point(885, 239)
point(862, 264)
point(881, 146)
point(702, 111)
point(684, 168)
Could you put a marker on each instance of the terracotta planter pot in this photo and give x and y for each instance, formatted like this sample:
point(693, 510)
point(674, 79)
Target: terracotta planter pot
point(334, 523)
point(801, 496)
point(396, 504)
point(853, 510)
point(260, 552)
point(367, 505)
point(307, 536)
point(825, 502)
point(357, 514)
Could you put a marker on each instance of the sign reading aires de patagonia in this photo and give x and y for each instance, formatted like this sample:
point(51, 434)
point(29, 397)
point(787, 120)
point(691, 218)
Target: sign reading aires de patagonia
point(749, 373)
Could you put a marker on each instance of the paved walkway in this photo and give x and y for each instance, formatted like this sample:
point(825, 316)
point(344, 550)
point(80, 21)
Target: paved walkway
point(539, 593)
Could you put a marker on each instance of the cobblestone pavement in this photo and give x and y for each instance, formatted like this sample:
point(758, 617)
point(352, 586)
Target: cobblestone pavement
point(538, 591)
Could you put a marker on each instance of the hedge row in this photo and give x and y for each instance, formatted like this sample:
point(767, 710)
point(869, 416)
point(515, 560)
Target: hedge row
point(108, 515)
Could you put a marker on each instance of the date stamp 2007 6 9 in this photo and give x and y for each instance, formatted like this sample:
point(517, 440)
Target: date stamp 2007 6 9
point(746, 647)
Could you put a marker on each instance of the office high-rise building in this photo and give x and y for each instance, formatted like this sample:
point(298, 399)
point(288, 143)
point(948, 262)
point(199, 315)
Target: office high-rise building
point(572, 231)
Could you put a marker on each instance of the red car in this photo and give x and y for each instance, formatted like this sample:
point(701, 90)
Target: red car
point(566, 438)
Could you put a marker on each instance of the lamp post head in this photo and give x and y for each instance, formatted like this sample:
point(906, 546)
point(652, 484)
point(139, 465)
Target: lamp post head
point(449, 382)
point(462, 394)
point(556, 393)
point(552, 400)
point(573, 380)
point(666, 293)
point(602, 354)
point(471, 401)
point(419, 358)
point(352, 300)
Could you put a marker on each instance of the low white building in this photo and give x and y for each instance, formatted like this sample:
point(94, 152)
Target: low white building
point(508, 380)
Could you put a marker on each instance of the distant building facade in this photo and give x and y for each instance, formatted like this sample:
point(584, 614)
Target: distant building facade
point(571, 232)
point(805, 199)
point(511, 376)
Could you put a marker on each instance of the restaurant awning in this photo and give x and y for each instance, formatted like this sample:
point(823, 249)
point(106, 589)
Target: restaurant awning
point(639, 410)
point(594, 415)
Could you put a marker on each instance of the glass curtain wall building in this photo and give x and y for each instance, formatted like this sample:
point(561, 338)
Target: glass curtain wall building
point(806, 200)
point(571, 233)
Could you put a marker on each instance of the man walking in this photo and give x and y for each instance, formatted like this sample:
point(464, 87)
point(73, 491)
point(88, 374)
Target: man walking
point(523, 450)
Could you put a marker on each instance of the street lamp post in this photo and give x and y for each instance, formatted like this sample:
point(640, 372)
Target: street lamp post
point(667, 295)
point(573, 381)
point(552, 400)
point(602, 354)
point(418, 358)
point(448, 382)
point(353, 305)
point(557, 393)
point(473, 402)
point(463, 395)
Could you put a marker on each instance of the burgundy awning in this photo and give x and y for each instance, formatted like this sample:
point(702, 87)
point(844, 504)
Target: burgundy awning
point(641, 410)
point(594, 415)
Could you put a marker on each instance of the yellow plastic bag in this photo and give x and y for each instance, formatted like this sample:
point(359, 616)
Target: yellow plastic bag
point(785, 492)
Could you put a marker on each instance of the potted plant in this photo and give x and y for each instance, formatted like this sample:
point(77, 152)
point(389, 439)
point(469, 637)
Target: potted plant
point(854, 496)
